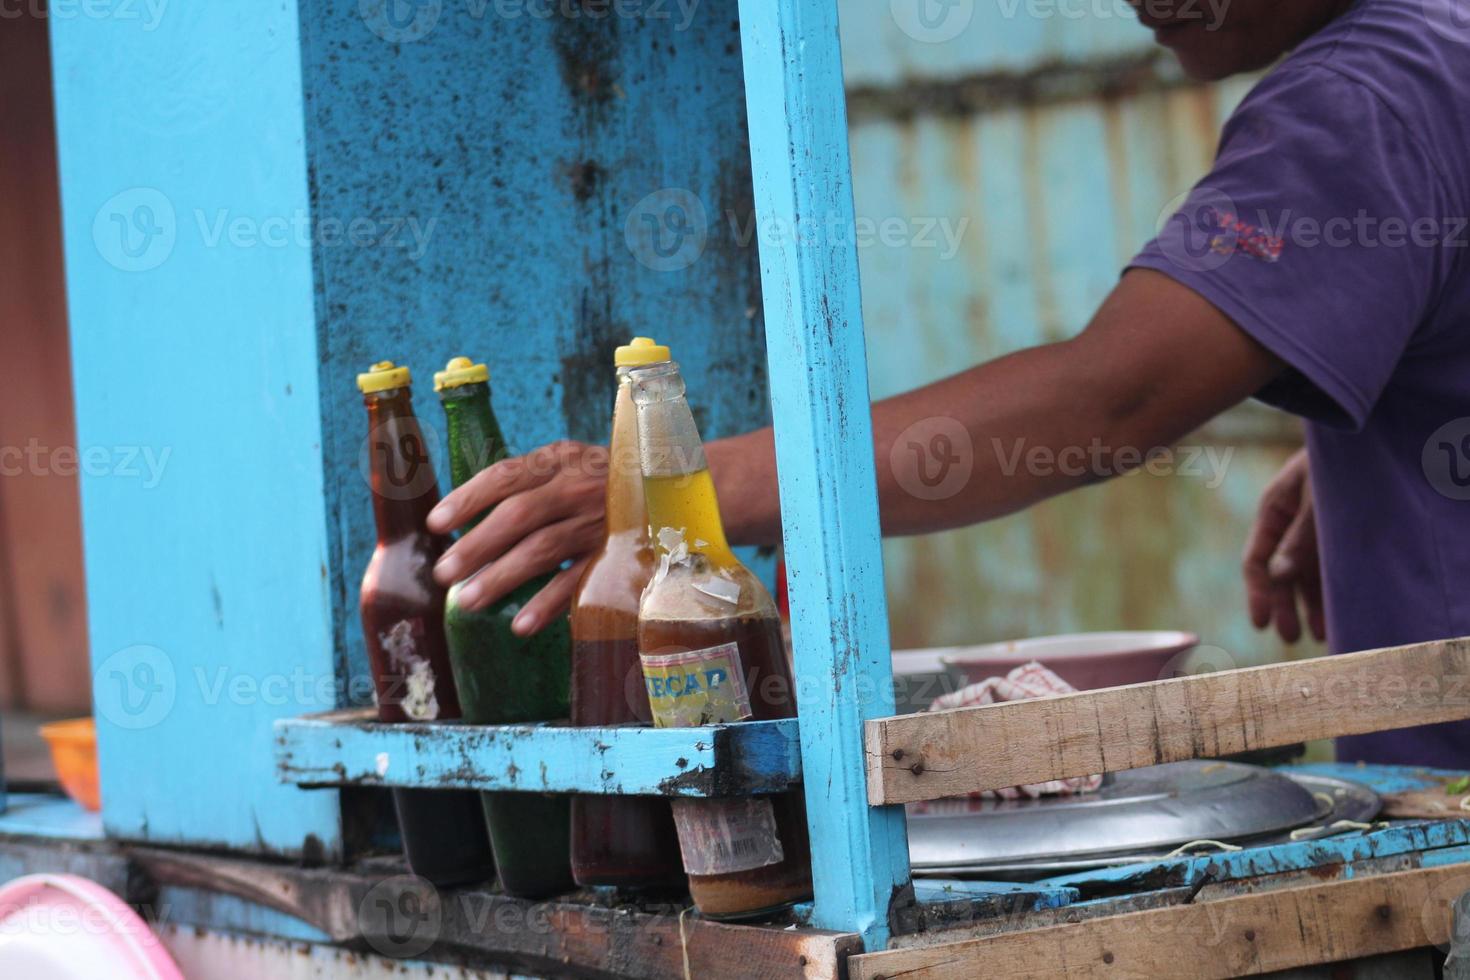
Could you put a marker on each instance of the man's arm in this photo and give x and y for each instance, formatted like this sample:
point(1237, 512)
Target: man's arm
point(1156, 362)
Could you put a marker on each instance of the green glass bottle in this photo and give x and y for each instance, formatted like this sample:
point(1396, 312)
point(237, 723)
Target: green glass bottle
point(502, 678)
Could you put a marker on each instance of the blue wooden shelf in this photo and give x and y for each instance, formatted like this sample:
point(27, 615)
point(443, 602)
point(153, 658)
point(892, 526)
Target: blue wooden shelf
point(349, 748)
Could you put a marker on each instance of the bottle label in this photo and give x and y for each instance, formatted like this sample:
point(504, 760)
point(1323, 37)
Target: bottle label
point(718, 837)
point(701, 687)
point(410, 679)
point(707, 687)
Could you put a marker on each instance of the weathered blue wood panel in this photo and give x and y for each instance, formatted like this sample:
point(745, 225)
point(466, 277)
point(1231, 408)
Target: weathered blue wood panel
point(189, 284)
point(819, 392)
point(260, 202)
point(562, 180)
point(723, 760)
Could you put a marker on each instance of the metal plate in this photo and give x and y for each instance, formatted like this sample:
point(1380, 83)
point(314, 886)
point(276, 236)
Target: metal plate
point(1137, 815)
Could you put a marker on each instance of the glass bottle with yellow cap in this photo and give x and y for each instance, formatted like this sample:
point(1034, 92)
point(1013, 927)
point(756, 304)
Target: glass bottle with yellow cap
point(505, 679)
point(709, 641)
point(626, 842)
point(403, 624)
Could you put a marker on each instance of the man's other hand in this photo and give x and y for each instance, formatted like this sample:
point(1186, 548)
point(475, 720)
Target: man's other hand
point(1281, 564)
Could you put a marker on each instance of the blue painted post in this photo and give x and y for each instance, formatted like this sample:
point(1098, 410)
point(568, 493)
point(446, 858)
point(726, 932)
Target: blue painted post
point(824, 447)
point(196, 371)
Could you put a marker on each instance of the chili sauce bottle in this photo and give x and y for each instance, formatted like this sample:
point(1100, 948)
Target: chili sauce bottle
point(709, 641)
point(505, 679)
point(621, 841)
point(402, 610)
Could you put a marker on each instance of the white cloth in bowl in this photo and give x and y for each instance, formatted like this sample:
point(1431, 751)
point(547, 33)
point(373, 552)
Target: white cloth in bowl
point(1030, 680)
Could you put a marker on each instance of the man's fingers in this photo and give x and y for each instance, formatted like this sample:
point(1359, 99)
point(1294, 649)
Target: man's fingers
point(1297, 566)
point(490, 539)
point(1283, 611)
point(1258, 601)
point(1266, 565)
point(551, 602)
point(1299, 542)
point(512, 520)
point(489, 487)
point(1272, 521)
point(535, 554)
point(1285, 573)
point(507, 478)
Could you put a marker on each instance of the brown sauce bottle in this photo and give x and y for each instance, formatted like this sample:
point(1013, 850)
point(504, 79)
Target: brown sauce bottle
point(622, 841)
point(443, 831)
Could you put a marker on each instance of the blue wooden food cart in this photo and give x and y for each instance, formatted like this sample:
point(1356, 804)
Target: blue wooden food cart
point(250, 193)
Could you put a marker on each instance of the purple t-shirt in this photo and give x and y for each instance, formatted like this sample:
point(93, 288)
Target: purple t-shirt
point(1333, 230)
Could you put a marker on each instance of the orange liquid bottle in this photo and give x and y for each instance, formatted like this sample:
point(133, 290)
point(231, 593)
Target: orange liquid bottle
point(709, 641)
point(626, 842)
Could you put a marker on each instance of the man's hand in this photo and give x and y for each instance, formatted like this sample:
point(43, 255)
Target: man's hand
point(549, 509)
point(1281, 562)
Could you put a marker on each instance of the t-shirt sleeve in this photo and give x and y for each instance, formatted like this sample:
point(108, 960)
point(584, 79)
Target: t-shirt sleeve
point(1318, 232)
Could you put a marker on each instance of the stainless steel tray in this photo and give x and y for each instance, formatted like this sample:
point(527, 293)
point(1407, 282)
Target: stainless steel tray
point(1138, 815)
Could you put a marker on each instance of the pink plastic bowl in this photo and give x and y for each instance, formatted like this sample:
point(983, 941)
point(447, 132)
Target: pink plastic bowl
point(1087, 661)
point(65, 927)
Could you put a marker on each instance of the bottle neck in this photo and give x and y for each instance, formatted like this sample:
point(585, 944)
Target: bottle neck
point(677, 486)
point(401, 474)
point(627, 514)
point(475, 439)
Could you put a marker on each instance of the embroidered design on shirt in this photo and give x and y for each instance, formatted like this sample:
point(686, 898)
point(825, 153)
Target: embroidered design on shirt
point(1236, 236)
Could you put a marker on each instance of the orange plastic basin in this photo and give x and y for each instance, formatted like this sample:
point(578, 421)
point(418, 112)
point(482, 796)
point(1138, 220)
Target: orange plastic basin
point(73, 746)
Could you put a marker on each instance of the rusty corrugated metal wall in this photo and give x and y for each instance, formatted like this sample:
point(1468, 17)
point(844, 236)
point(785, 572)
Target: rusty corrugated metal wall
point(1027, 149)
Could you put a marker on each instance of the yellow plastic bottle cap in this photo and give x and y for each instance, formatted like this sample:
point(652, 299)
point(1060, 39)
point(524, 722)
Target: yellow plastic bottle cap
point(640, 351)
point(460, 371)
point(382, 376)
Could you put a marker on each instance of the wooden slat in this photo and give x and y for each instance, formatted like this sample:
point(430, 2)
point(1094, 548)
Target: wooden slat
point(930, 756)
point(556, 937)
point(1230, 937)
point(348, 748)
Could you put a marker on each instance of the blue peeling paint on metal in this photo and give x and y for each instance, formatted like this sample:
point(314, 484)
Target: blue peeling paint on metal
point(1381, 779)
point(1274, 859)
